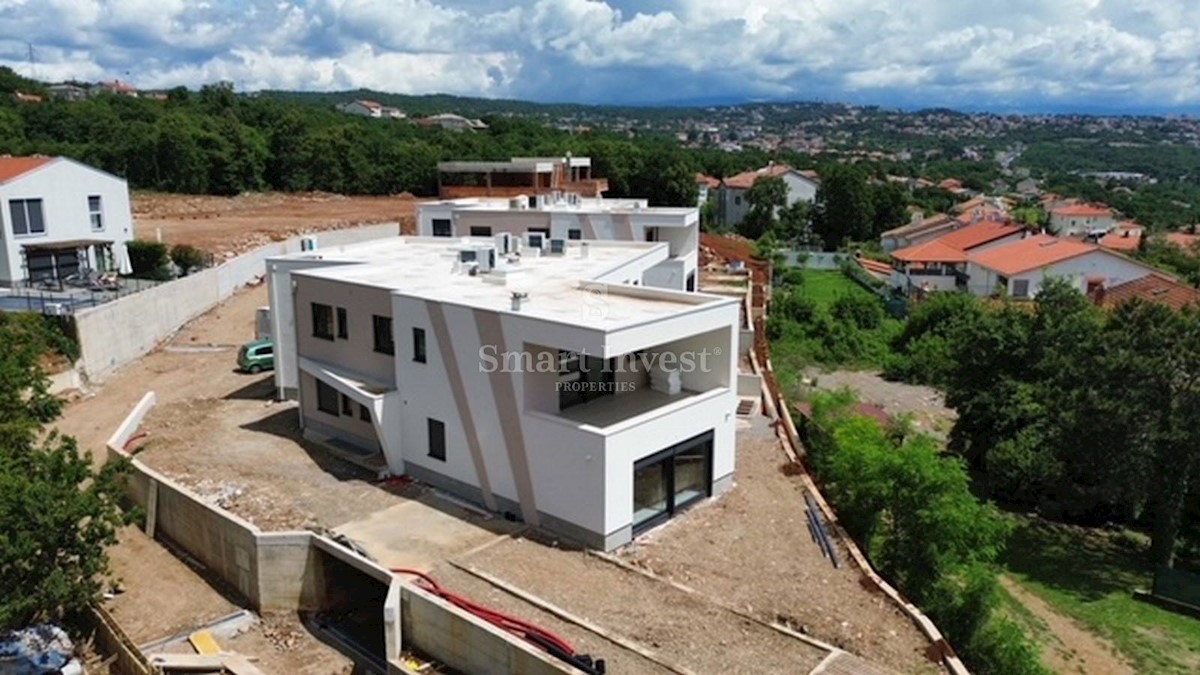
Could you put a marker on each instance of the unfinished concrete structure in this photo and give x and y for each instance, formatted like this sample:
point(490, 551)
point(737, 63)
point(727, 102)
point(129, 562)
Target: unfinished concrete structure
point(546, 385)
point(519, 176)
point(561, 217)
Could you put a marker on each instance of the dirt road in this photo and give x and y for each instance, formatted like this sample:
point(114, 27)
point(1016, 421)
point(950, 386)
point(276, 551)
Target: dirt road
point(226, 226)
point(1071, 649)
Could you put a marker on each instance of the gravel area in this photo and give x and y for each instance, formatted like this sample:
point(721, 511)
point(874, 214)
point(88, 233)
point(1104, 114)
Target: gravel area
point(926, 405)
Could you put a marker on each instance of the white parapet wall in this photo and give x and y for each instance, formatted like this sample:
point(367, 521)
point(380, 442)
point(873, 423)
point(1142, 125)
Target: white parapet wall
point(114, 334)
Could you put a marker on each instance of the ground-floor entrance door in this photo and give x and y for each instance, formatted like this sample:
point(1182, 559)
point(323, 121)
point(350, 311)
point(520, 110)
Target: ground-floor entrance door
point(671, 480)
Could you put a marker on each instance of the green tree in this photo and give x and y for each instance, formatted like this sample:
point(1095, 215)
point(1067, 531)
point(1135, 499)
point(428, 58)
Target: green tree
point(889, 208)
point(766, 196)
point(843, 210)
point(58, 514)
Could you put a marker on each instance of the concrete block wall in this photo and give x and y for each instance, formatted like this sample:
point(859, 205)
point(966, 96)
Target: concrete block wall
point(117, 333)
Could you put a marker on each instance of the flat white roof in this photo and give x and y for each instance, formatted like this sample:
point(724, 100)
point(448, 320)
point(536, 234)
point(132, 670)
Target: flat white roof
point(560, 287)
point(584, 205)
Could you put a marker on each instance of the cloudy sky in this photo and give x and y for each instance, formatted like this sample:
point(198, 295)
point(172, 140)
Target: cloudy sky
point(989, 54)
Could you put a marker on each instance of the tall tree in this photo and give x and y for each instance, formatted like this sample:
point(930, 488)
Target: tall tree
point(766, 196)
point(843, 210)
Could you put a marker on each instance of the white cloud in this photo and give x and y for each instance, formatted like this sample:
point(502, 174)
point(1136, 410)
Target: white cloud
point(1024, 50)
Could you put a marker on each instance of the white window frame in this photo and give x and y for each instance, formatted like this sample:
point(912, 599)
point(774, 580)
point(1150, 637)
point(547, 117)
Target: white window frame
point(96, 216)
point(24, 201)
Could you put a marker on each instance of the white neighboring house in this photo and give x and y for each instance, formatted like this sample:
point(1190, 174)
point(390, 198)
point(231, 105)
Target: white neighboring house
point(59, 218)
point(734, 204)
point(567, 217)
point(1081, 219)
point(543, 385)
point(370, 109)
point(1021, 267)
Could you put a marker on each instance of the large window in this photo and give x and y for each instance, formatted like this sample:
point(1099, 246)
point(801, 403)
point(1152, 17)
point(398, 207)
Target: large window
point(384, 344)
point(583, 378)
point(437, 440)
point(669, 481)
point(322, 320)
point(419, 345)
point(27, 217)
point(343, 324)
point(327, 399)
point(442, 227)
point(96, 212)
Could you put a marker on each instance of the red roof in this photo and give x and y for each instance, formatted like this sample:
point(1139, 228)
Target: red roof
point(879, 270)
point(369, 104)
point(978, 234)
point(123, 87)
point(746, 179)
point(711, 182)
point(1083, 211)
point(1151, 288)
point(934, 251)
point(11, 167)
point(1125, 237)
point(1183, 240)
point(950, 184)
point(1031, 253)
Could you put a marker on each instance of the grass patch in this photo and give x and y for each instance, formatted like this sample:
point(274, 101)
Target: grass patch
point(825, 286)
point(1087, 575)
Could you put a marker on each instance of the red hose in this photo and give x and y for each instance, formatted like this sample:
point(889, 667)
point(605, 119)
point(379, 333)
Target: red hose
point(136, 437)
point(518, 627)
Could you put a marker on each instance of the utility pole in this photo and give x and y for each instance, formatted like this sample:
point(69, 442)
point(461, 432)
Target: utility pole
point(32, 62)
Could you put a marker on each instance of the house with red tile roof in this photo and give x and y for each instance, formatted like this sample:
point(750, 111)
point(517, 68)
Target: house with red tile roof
point(733, 204)
point(706, 186)
point(918, 231)
point(1157, 288)
point(1125, 237)
point(1076, 219)
point(1183, 240)
point(116, 87)
point(60, 218)
point(370, 109)
point(1021, 267)
point(940, 264)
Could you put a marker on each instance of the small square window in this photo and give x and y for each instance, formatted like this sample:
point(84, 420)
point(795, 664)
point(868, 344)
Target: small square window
point(322, 320)
point(343, 325)
point(574, 234)
point(419, 345)
point(437, 440)
point(442, 227)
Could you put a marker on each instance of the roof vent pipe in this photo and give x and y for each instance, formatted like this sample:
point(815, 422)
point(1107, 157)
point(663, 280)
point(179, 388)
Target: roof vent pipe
point(583, 250)
point(519, 300)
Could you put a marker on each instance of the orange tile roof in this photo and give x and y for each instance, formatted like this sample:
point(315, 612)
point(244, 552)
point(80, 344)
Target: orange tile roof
point(1183, 240)
point(950, 184)
point(11, 167)
point(1030, 253)
point(746, 179)
point(1151, 288)
point(711, 182)
point(879, 270)
point(1083, 210)
point(978, 234)
point(931, 251)
point(1122, 239)
point(930, 223)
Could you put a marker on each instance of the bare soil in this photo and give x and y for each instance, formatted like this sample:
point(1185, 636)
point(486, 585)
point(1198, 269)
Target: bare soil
point(161, 595)
point(683, 629)
point(751, 549)
point(227, 226)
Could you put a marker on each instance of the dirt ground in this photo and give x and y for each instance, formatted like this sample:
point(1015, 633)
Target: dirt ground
point(161, 595)
point(1068, 647)
point(751, 549)
point(926, 405)
point(226, 226)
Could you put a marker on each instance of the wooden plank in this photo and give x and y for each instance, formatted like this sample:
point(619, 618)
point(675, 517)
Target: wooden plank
point(204, 642)
point(151, 508)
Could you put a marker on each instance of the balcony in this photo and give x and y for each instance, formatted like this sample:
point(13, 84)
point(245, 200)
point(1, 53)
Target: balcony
point(610, 410)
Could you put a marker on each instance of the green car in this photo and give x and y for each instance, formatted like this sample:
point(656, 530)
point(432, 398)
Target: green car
point(255, 357)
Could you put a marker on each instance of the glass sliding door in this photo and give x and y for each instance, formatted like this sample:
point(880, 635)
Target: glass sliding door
point(670, 480)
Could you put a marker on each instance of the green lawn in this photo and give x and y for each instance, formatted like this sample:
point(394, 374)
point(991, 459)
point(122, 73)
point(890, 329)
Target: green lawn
point(1089, 575)
point(825, 286)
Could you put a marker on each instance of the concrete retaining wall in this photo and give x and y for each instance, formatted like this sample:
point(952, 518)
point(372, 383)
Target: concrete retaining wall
point(117, 333)
point(289, 571)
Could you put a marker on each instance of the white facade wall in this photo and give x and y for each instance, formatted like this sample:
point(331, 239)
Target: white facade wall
point(64, 186)
point(1068, 225)
point(1100, 264)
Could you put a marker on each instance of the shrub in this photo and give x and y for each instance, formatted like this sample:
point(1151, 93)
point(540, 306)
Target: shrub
point(187, 258)
point(148, 259)
point(792, 277)
point(863, 311)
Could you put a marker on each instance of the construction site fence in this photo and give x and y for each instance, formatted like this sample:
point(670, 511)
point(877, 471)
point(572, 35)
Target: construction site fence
point(115, 333)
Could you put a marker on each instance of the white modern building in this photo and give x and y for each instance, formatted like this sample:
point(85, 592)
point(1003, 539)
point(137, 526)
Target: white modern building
point(564, 217)
point(60, 218)
point(1081, 219)
point(544, 384)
